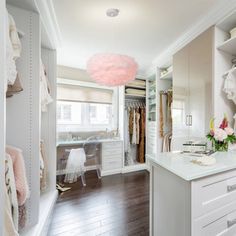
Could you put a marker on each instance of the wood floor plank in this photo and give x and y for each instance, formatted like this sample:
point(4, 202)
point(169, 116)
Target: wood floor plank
point(112, 206)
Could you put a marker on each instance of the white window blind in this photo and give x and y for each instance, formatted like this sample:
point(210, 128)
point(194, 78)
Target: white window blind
point(76, 93)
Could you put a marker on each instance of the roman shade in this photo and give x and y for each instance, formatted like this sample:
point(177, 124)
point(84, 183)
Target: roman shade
point(76, 93)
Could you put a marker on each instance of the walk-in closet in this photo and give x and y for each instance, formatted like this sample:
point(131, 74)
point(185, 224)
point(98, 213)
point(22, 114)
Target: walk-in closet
point(117, 119)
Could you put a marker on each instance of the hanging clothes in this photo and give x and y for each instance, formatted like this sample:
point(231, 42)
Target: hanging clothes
point(19, 173)
point(230, 85)
point(166, 146)
point(141, 148)
point(10, 62)
point(14, 37)
point(43, 167)
point(161, 130)
point(134, 135)
point(11, 189)
point(44, 89)
point(137, 125)
point(9, 227)
point(15, 88)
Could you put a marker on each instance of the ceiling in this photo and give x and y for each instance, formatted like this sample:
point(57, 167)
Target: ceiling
point(143, 29)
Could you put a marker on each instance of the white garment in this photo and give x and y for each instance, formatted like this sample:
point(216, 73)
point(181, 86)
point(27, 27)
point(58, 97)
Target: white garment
point(134, 136)
point(45, 96)
point(9, 228)
point(11, 190)
point(75, 165)
point(126, 133)
point(15, 40)
point(230, 85)
point(10, 62)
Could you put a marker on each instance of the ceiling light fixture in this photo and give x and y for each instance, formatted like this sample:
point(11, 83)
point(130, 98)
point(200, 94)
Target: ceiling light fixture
point(112, 12)
point(112, 69)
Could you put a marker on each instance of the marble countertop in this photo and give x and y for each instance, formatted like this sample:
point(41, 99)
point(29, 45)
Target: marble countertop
point(78, 142)
point(181, 165)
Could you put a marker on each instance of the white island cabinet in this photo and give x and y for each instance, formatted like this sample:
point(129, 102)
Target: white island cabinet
point(191, 200)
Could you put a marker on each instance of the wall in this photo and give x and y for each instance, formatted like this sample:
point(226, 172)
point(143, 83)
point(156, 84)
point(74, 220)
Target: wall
point(72, 73)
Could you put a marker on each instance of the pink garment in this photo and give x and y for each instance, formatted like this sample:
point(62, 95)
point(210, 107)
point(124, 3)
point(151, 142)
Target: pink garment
point(20, 174)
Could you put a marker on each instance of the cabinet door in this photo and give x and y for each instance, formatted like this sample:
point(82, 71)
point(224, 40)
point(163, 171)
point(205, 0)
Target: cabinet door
point(200, 85)
point(180, 107)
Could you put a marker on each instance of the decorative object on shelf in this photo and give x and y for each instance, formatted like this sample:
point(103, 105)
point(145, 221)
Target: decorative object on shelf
point(233, 33)
point(222, 136)
point(112, 69)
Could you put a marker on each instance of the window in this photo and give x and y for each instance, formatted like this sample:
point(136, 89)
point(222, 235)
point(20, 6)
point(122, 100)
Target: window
point(83, 107)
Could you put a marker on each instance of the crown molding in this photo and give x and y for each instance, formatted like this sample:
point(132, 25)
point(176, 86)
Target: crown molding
point(219, 12)
point(49, 21)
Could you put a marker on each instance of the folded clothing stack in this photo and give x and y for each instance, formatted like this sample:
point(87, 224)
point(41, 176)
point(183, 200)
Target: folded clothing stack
point(139, 92)
point(138, 83)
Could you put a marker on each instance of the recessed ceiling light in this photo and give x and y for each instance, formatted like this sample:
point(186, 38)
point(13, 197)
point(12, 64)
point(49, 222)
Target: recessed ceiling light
point(112, 12)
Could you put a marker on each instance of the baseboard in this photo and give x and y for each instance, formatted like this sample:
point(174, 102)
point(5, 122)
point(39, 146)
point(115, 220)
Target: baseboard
point(110, 172)
point(132, 168)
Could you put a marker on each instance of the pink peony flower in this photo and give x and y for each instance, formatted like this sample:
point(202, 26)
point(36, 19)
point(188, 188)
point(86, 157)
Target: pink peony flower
point(220, 134)
point(229, 130)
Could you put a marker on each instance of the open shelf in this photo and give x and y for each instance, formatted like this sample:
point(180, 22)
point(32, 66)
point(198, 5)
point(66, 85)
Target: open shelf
point(135, 87)
point(134, 96)
point(168, 75)
point(229, 46)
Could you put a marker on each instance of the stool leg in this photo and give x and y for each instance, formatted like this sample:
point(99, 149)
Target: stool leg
point(83, 179)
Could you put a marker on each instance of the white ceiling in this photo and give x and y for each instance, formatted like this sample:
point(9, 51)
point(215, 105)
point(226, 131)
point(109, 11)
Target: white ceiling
point(143, 30)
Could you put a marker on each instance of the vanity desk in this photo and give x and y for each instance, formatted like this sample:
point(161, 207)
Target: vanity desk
point(111, 154)
point(187, 199)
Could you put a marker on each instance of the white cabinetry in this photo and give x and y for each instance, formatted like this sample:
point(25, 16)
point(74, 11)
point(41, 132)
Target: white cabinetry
point(151, 137)
point(207, 205)
point(192, 86)
point(112, 157)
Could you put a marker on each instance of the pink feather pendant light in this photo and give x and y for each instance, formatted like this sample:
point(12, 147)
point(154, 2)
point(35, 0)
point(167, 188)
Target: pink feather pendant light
point(112, 69)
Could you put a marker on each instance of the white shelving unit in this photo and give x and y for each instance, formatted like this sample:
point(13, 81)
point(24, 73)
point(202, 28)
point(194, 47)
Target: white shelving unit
point(224, 53)
point(167, 76)
point(122, 98)
point(24, 125)
point(228, 46)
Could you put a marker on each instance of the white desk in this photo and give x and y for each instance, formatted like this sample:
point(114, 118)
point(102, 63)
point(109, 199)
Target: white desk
point(111, 154)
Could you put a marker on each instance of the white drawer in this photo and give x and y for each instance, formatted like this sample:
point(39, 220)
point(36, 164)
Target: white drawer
point(110, 152)
point(112, 145)
point(213, 192)
point(112, 164)
point(111, 157)
point(221, 222)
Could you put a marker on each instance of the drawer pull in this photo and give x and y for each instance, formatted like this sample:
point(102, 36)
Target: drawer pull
point(231, 222)
point(231, 188)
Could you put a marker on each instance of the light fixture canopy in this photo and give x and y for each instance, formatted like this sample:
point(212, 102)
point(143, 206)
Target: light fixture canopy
point(112, 69)
point(112, 12)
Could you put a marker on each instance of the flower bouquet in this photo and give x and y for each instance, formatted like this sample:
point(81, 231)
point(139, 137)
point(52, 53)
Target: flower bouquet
point(222, 136)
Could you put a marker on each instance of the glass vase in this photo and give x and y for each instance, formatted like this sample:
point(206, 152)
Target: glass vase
point(220, 146)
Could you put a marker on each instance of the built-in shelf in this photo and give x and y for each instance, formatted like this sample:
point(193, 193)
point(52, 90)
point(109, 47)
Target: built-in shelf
point(229, 46)
point(152, 104)
point(134, 96)
point(168, 75)
point(135, 87)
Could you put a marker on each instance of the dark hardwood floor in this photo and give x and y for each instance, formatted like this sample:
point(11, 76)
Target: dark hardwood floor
point(115, 205)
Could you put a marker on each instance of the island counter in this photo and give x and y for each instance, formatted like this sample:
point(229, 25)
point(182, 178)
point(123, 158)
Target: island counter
point(189, 199)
